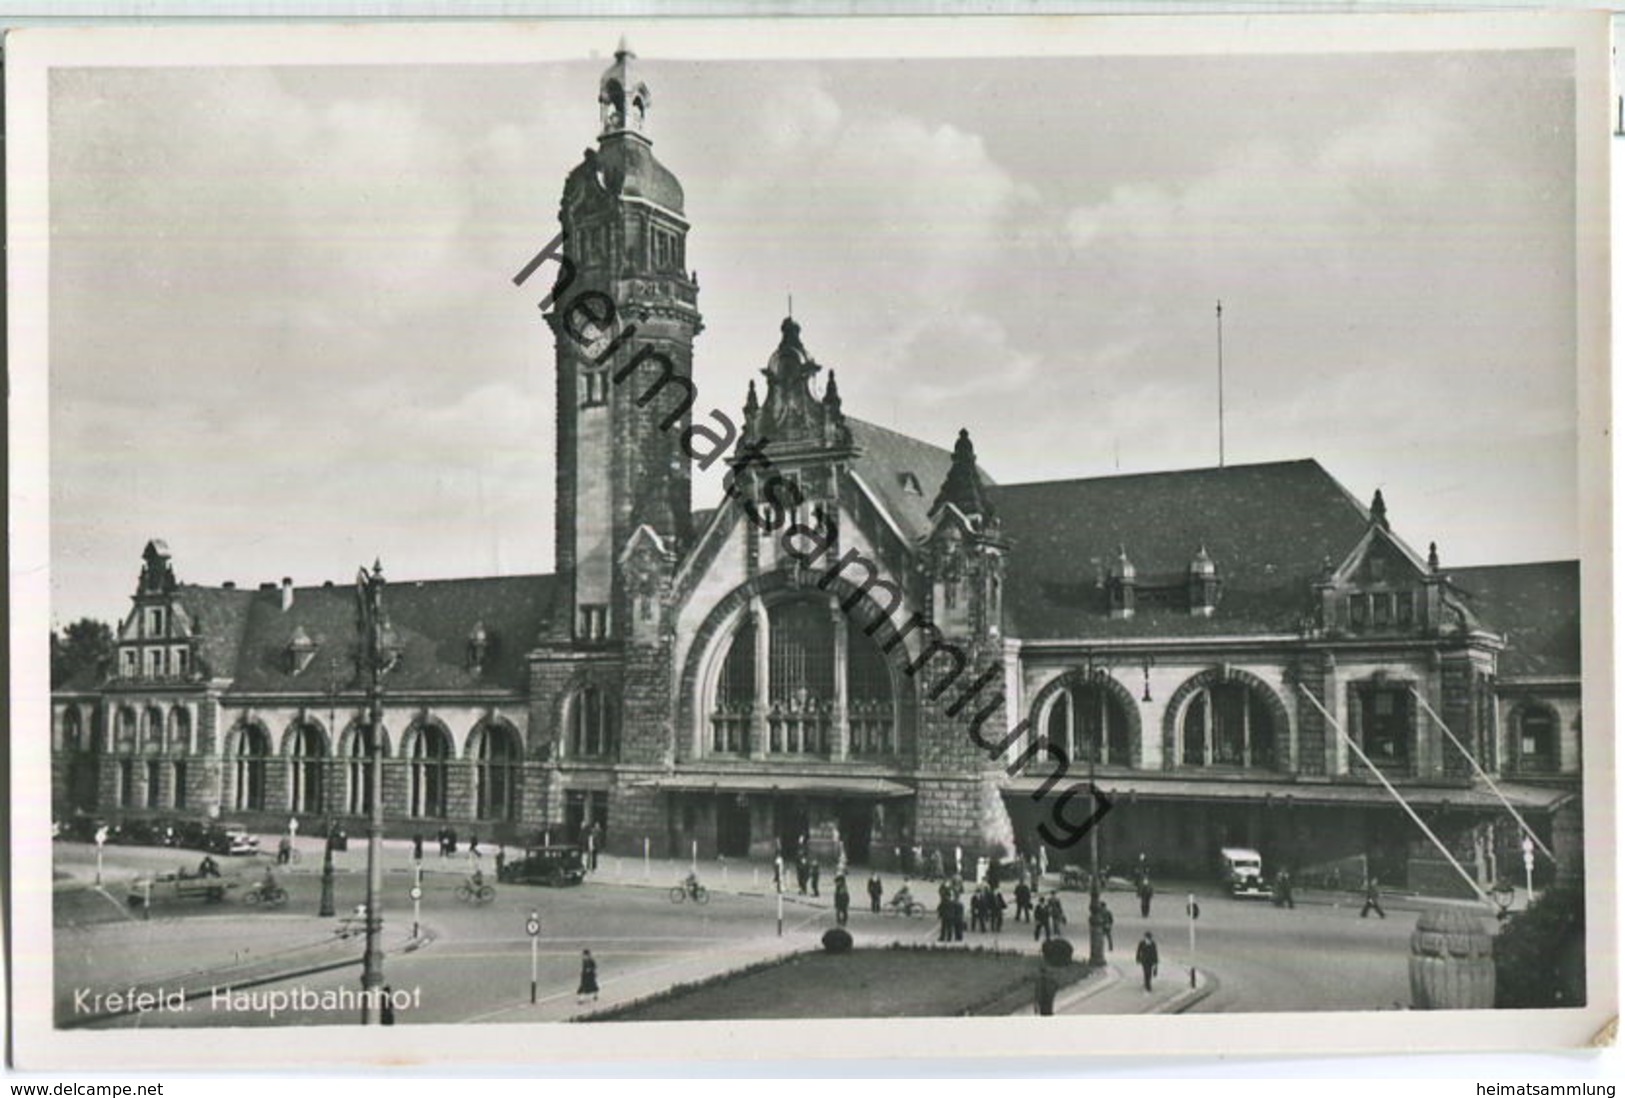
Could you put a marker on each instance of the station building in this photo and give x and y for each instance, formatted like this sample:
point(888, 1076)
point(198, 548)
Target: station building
point(937, 661)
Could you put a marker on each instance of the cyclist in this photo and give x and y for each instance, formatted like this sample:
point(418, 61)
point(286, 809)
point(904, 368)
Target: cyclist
point(691, 885)
point(476, 880)
point(903, 898)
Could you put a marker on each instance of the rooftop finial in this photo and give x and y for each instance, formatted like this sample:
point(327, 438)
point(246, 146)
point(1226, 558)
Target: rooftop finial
point(1379, 510)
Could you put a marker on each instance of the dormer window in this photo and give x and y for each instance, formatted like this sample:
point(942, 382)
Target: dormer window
point(128, 665)
point(910, 484)
point(479, 647)
point(155, 621)
point(301, 650)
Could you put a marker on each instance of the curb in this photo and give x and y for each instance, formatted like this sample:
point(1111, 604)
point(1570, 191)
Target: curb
point(1206, 984)
point(1084, 990)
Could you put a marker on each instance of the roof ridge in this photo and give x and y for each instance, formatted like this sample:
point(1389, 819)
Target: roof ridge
point(1183, 472)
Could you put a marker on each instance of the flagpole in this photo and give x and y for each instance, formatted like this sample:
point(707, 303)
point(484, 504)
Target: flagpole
point(1218, 320)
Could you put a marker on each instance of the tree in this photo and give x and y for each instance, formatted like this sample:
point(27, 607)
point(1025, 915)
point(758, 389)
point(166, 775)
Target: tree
point(83, 650)
point(1540, 953)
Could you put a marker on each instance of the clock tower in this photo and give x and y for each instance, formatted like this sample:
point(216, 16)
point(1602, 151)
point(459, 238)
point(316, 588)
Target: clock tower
point(624, 327)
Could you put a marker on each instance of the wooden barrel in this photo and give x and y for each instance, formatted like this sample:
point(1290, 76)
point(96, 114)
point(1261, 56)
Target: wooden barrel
point(1452, 962)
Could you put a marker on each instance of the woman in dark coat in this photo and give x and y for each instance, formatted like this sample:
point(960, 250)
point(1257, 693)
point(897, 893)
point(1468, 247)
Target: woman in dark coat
point(589, 978)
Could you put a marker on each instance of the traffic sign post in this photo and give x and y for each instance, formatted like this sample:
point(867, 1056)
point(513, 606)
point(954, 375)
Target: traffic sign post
point(417, 898)
point(1529, 870)
point(533, 927)
point(101, 841)
point(781, 910)
point(1193, 911)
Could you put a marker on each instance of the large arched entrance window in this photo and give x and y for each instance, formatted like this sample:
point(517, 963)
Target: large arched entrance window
point(594, 725)
point(124, 740)
point(1089, 719)
point(429, 751)
point(253, 750)
point(307, 757)
point(494, 748)
point(1227, 724)
point(814, 660)
point(1537, 740)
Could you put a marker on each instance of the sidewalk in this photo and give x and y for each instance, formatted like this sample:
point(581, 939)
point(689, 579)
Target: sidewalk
point(211, 955)
point(1118, 989)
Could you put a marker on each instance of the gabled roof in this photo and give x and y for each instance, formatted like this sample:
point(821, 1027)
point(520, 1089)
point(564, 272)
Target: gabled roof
point(1269, 529)
point(886, 458)
point(1537, 606)
point(431, 621)
point(217, 617)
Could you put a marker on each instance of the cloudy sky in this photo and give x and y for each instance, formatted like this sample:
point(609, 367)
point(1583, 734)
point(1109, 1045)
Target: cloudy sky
point(285, 339)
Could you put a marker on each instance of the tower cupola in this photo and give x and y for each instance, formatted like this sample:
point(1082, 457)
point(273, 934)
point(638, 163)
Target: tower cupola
point(623, 95)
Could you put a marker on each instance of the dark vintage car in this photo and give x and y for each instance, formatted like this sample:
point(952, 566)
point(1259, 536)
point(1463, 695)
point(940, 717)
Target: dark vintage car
point(555, 866)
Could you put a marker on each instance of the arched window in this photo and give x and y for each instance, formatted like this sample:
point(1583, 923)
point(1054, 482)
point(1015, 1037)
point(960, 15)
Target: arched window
point(125, 731)
point(1227, 724)
point(800, 677)
point(814, 655)
point(871, 708)
point(429, 754)
point(1537, 740)
point(594, 725)
point(179, 737)
point(1089, 720)
point(497, 757)
point(248, 766)
point(152, 730)
point(358, 766)
point(307, 758)
point(73, 732)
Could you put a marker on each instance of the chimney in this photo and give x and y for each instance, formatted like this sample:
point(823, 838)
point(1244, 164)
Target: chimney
point(287, 594)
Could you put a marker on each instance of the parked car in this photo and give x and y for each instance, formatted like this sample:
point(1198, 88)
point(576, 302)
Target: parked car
point(1241, 871)
point(555, 866)
point(233, 838)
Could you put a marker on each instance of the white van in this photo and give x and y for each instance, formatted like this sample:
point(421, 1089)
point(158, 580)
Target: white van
point(1242, 871)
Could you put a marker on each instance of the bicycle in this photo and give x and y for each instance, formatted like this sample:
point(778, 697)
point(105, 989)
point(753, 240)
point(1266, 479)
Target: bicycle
point(269, 895)
point(912, 908)
point(696, 892)
point(470, 893)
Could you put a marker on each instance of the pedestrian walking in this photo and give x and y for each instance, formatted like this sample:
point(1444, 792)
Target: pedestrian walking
point(1044, 999)
point(473, 844)
point(1283, 891)
point(801, 874)
point(1024, 902)
point(502, 859)
point(1057, 915)
point(876, 891)
point(1146, 892)
point(958, 906)
point(978, 912)
point(1373, 900)
point(595, 843)
point(995, 909)
point(1041, 926)
point(813, 872)
point(284, 850)
point(945, 919)
point(1145, 955)
point(1106, 920)
point(935, 865)
point(588, 987)
point(386, 1007)
point(843, 900)
point(417, 846)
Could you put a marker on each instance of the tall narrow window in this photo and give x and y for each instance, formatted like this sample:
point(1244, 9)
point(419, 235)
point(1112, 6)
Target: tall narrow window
point(248, 764)
point(1386, 721)
point(179, 774)
point(305, 768)
point(430, 754)
point(1537, 740)
point(497, 760)
point(736, 691)
point(154, 787)
point(594, 725)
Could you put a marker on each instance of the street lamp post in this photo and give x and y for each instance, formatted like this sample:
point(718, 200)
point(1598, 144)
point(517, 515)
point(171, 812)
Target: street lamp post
point(1097, 918)
point(369, 590)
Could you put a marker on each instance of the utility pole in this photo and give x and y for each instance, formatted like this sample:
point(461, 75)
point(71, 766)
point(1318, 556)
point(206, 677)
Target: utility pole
point(369, 591)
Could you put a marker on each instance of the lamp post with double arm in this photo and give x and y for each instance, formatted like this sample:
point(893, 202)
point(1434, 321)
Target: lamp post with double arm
point(369, 597)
